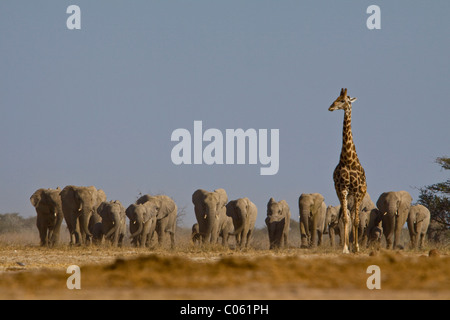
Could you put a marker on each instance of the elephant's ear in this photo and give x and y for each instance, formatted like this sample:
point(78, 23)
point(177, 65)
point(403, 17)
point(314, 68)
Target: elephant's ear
point(36, 198)
point(247, 203)
point(285, 206)
point(166, 206)
point(129, 211)
point(230, 208)
point(147, 213)
point(270, 203)
point(100, 208)
point(101, 196)
point(223, 197)
point(318, 200)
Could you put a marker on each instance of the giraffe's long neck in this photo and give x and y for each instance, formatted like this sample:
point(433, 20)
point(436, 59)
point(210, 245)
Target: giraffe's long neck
point(348, 152)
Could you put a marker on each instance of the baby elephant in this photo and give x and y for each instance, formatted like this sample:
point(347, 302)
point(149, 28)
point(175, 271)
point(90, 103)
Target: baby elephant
point(195, 235)
point(278, 222)
point(418, 222)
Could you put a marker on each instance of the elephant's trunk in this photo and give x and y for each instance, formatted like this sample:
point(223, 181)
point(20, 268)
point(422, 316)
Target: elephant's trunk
point(240, 221)
point(84, 224)
point(139, 230)
point(305, 213)
point(112, 230)
point(238, 230)
point(208, 223)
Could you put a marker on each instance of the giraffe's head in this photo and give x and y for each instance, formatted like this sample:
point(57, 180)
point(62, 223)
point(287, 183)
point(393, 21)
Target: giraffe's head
point(342, 102)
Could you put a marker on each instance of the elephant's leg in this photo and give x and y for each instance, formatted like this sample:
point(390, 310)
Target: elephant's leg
point(238, 240)
point(248, 238)
point(313, 232)
point(172, 239)
point(56, 230)
point(144, 240)
point(164, 228)
point(285, 240)
point(421, 240)
point(40, 223)
point(120, 242)
point(331, 234)
point(319, 238)
point(389, 241)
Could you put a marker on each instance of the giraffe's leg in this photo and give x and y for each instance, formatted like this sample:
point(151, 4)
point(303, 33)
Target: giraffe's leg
point(346, 220)
point(356, 225)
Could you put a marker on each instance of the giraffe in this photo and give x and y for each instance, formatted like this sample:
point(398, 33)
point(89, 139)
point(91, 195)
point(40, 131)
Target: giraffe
point(349, 176)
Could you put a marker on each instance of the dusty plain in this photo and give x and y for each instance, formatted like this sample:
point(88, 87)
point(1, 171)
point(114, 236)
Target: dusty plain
point(28, 271)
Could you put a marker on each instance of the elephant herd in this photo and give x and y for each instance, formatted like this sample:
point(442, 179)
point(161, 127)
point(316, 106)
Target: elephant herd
point(392, 210)
point(90, 218)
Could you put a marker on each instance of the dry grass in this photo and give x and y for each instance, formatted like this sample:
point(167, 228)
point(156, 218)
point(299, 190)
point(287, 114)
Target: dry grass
point(28, 271)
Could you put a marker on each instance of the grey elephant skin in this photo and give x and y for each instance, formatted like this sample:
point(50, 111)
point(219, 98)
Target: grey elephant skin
point(166, 212)
point(78, 205)
point(142, 223)
point(243, 213)
point(312, 211)
point(418, 223)
point(47, 203)
point(365, 213)
point(334, 224)
point(210, 212)
point(195, 235)
point(278, 222)
point(113, 221)
point(394, 207)
point(375, 228)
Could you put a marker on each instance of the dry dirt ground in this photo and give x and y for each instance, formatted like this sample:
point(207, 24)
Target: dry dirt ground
point(32, 272)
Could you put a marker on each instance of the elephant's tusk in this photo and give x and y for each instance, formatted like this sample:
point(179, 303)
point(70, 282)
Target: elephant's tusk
point(134, 222)
point(205, 216)
point(55, 214)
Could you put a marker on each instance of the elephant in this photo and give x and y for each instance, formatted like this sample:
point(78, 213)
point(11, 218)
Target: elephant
point(418, 222)
point(166, 212)
point(95, 227)
point(195, 235)
point(113, 221)
point(334, 225)
point(312, 211)
point(95, 221)
point(78, 205)
point(210, 211)
point(142, 223)
point(375, 228)
point(243, 213)
point(49, 215)
point(396, 205)
point(278, 223)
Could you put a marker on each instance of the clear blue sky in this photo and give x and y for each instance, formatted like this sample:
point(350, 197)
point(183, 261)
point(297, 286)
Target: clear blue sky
point(97, 106)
